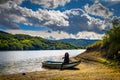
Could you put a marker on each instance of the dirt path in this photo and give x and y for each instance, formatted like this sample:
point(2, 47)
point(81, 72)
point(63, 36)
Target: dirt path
point(87, 70)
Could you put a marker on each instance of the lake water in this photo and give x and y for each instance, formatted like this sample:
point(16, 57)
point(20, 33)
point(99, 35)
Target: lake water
point(29, 61)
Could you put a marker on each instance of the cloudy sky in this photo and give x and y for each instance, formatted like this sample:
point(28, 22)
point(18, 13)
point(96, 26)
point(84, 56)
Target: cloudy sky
point(58, 19)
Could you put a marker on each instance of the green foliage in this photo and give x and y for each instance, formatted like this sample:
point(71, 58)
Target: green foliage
point(98, 43)
point(110, 45)
point(112, 41)
point(26, 42)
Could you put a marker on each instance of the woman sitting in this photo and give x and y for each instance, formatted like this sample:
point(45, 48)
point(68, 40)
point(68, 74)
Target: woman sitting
point(66, 59)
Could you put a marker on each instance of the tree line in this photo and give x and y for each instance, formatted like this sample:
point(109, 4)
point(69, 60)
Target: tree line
point(27, 42)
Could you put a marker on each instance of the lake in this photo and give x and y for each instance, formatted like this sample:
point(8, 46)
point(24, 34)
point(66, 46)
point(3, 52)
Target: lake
point(29, 61)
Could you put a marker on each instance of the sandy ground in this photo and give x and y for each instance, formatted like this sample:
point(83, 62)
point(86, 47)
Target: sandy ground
point(87, 70)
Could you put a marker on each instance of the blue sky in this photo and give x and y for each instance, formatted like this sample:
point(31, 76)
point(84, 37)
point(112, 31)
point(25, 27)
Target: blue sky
point(58, 19)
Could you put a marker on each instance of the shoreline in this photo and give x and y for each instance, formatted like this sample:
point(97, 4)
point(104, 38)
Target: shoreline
point(28, 61)
point(86, 70)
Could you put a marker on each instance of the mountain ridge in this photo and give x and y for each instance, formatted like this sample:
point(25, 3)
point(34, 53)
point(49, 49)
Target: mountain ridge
point(79, 42)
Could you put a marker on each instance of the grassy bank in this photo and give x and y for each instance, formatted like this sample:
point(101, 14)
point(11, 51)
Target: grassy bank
point(96, 56)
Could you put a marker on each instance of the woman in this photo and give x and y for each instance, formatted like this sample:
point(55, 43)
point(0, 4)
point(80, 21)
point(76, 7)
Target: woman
point(66, 59)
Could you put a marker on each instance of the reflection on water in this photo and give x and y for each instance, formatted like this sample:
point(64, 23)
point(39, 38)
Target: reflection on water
point(28, 61)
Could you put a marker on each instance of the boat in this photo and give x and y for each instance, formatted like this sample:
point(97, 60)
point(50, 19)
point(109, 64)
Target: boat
point(57, 65)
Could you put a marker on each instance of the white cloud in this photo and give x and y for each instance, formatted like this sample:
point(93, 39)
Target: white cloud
point(74, 12)
point(13, 14)
point(98, 9)
point(7, 11)
point(70, 22)
point(59, 35)
point(79, 20)
point(50, 3)
point(52, 17)
point(9, 3)
point(43, 17)
point(89, 35)
point(76, 20)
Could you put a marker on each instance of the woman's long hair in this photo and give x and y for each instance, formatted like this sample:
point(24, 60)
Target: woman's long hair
point(66, 58)
point(66, 54)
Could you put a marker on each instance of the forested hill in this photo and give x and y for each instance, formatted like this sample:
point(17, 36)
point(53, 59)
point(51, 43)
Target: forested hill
point(83, 43)
point(109, 47)
point(26, 42)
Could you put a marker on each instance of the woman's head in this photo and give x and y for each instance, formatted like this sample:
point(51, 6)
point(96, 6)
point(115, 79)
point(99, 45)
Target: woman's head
point(67, 54)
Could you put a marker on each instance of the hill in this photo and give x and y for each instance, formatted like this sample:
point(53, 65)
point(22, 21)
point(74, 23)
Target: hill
point(108, 49)
point(79, 42)
point(27, 42)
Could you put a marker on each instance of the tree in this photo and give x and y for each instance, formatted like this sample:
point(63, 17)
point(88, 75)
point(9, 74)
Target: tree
point(112, 40)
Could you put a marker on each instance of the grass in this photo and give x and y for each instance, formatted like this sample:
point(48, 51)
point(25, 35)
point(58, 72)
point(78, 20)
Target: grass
point(59, 78)
point(103, 60)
